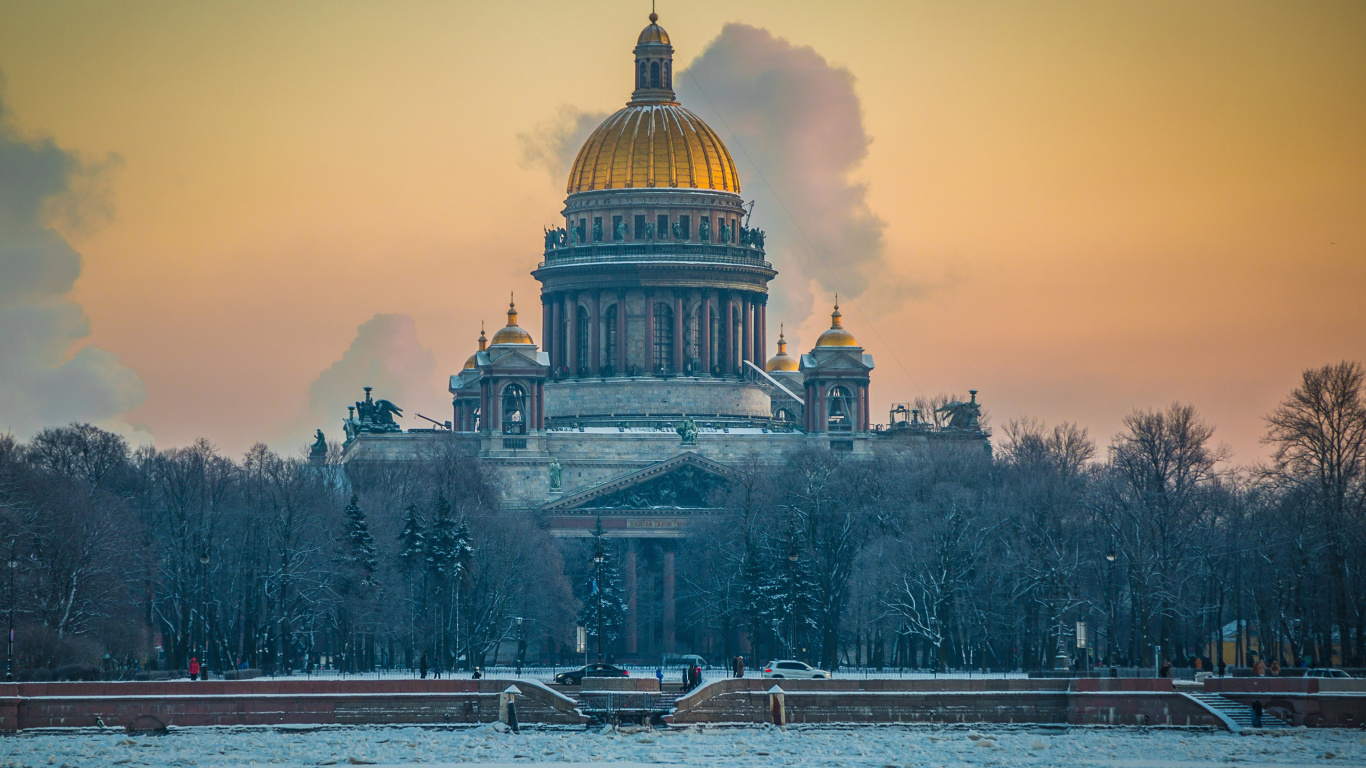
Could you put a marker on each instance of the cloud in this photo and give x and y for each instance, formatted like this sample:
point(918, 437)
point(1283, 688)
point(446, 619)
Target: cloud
point(553, 144)
point(794, 125)
point(387, 355)
point(42, 381)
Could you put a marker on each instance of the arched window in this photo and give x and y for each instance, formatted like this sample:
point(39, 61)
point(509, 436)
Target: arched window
point(840, 410)
point(654, 74)
point(581, 349)
point(514, 410)
point(664, 337)
point(610, 337)
point(640, 79)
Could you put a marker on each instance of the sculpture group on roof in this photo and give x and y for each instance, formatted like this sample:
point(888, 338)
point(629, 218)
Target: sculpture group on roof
point(370, 415)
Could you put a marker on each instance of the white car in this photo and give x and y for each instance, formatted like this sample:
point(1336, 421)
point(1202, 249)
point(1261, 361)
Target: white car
point(794, 669)
point(1337, 673)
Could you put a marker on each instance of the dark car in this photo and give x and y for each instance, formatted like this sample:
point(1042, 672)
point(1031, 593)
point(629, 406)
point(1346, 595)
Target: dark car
point(576, 676)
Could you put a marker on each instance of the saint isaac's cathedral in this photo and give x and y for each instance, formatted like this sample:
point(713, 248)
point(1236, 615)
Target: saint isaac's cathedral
point(652, 378)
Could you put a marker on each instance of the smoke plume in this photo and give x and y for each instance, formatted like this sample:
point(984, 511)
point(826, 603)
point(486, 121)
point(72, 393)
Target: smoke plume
point(387, 355)
point(48, 376)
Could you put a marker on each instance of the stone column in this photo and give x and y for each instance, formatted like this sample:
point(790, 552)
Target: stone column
point(668, 578)
point(540, 405)
point(860, 413)
point(650, 331)
point(632, 616)
point(761, 335)
point(621, 332)
point(571, 342)
point(595, 334)
point(545, 323)
point(746, 331)
point(704, 331)
point(728, 335)
point(678, 333)
point(556, 345)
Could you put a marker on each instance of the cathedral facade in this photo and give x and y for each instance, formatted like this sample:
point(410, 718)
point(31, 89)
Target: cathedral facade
point(652, 379)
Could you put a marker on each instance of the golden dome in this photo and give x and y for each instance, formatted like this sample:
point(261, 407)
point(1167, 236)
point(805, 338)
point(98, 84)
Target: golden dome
point(836, 336)
point(512, 333)
point(653, 33)
point(473, 360)
point(780, 361)
point(654, 145)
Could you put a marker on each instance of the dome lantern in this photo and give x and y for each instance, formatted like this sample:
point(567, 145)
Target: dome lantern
point(781, 361)
point(836, 336)
point(473, 360)
point(654, 65)
point(512, 333)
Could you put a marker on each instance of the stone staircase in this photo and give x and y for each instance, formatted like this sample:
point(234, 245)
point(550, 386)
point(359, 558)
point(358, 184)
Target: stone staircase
point(1236, 715)
point(626, 706)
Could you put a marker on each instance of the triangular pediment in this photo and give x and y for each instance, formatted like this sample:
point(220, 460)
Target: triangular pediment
point(834, 361)
point(687, 481)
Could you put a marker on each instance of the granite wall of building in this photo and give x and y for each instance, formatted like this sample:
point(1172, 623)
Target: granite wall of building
point(701, 398)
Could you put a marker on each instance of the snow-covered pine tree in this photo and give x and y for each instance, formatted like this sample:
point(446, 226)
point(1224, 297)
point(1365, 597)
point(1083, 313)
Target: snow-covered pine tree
point(791, 593)
point(412, 540)
point(360, 545)
point(604, 577)
point(756, 606)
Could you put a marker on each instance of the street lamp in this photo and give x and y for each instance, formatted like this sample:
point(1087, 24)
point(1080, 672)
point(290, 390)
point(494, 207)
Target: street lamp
point(597, 587)
point(792, 556)
point(203, 610)
point(1111, 556)
point(9, 655)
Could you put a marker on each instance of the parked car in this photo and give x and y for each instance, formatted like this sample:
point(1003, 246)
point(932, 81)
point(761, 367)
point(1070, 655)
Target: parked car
point(794, 669)
point(1325, 673)
point(684, 660)
point(576, 676)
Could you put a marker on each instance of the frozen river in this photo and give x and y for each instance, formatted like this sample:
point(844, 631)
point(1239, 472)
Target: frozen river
point(874, 746)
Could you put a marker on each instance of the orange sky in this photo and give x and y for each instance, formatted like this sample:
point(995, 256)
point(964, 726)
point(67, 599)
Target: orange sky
point(1105, 205)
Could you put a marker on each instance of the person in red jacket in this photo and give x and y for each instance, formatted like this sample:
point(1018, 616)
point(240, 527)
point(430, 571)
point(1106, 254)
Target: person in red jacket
point(194, 668)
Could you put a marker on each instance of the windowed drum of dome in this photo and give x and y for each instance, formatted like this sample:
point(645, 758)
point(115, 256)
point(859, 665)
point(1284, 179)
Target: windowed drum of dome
point(514, 410)
point(664, 338)
point(840, 412)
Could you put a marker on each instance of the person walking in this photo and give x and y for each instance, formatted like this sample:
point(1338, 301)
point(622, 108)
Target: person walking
point(740, 662)
point(1275, 667)
point(659, 675)
point(194, 667)
point(1259, 668)
point(422, 667)
point(697, 675)
point(1256, 714)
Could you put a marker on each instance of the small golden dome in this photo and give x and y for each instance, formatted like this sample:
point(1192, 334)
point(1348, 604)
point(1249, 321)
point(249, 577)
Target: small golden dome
point(512, 333)
point(836, 336)
point(653, 33)
point(780, 361)
point(473, 360)
point(654, 145)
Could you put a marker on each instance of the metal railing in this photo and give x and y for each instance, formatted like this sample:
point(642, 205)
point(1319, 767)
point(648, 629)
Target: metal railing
point(656, 252)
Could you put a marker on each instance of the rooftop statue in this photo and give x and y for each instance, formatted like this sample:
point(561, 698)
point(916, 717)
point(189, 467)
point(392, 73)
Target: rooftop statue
point(704, 229)
point(723, 233)
point(620, 232)
point(965, 416)
point(319, 447)
point(556, 475)
point(372, 416)
point(688, 431)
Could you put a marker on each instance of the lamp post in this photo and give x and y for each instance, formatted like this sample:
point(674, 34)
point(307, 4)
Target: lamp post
point(1111, 556)
point(792, 556)
point(597, 587)
point(13, 564)
point(203, 611)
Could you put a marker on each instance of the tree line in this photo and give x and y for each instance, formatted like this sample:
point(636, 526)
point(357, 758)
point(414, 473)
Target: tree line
point(942, 555)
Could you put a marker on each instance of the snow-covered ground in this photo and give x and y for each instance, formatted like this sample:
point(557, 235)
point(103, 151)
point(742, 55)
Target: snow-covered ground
point(871, 746)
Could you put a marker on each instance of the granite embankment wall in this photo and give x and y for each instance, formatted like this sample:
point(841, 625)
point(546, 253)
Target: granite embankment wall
point(273, 702)
point(1077, 702)
point(1307, 701)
